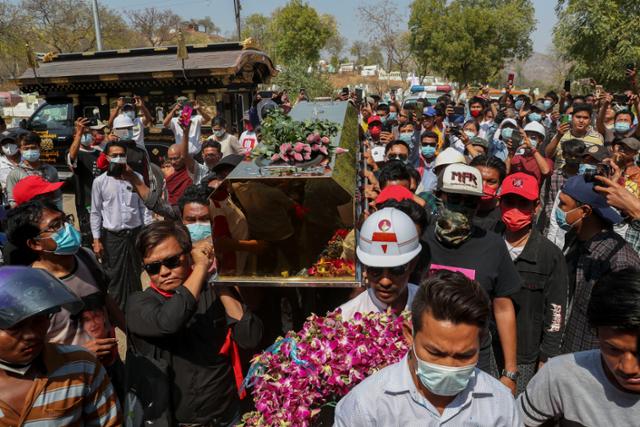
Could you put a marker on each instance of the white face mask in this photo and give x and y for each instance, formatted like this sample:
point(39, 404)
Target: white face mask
point(10, 149)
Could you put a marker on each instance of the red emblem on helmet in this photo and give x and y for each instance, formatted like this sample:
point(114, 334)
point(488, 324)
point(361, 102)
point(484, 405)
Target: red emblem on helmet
point(384, 225)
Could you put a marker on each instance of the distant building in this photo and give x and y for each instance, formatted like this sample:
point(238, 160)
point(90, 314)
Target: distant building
point(370, 70)
point(348, 67)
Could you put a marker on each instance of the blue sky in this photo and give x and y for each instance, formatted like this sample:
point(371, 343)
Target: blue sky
point(221, 11)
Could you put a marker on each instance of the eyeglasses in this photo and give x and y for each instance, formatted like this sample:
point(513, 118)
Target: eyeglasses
point(377, 272)
point(56, 224)
point(171, 263)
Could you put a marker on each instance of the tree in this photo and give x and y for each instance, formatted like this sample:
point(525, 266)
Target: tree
point(298, 33)
point(157, 27)
point(13, 57)
point(600, 38)
point(335, 43)
point(374, 56)
point(383, 24)
point(358, 52)
point(256, 26)
point(295, 76)
point(470, 40)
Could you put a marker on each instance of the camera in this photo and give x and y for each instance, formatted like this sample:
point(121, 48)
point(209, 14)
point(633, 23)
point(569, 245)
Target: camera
point(455, 129)
point(601, 170)
point(620, 99)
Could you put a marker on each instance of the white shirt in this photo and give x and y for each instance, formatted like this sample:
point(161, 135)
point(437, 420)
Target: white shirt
point(229, 144)
point(367, 302)
point(138, 132)
point(248, 140)
point(115, 206)
point(194, 133)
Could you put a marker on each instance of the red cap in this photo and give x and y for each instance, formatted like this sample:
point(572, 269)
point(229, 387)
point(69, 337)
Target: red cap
point(102, 163)
point(32, 186)
point(373, 119)
point(394, 192)
point(521, 184)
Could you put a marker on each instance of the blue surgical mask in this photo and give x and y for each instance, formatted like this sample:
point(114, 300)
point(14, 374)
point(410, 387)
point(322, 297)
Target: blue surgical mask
point(392, 116)
point(407, 137)
point(219, 133)
point(584, 168)
point(470, 133)
point(561, 219)
point(86, 139)
point(428, 151)
point(199, 231)
point(443, 380)
point(67, 240)
point(31, 155)
point(130, 114)
point(621, 127)
point(518, 104)
point(535, 117)
point(506, 133)
point(548, 104)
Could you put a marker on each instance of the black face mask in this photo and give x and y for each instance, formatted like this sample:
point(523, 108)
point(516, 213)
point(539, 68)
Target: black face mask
point(116, 169)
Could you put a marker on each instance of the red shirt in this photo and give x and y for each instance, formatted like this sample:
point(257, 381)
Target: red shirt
point(528, 165)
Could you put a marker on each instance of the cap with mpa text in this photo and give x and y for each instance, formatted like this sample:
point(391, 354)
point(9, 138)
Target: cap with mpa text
point(460, 179)
point(388, 238)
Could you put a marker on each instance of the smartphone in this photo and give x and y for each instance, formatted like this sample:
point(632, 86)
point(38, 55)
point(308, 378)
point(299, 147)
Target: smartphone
point(185, 117)
point(359, 93)
point(620, 99)
point(567, 85)
point(565, 118)
point(458, 111)
point(511, 78)
point(345, 90)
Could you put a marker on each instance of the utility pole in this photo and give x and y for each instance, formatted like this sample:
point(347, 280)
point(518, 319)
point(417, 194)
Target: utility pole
point(96, 24)
point(237, 7)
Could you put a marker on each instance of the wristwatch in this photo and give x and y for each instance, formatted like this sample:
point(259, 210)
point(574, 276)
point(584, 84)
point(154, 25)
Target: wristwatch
point(513, 376)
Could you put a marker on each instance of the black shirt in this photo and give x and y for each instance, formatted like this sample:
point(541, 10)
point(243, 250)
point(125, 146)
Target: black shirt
point(84, 171)
point(188, 335)
point(490, 220)
point(541, 303)
point(484, 258)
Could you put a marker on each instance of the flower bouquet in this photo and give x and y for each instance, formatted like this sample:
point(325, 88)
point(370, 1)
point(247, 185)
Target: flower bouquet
point(330, 263)
point(299, 374)
point(286, 141)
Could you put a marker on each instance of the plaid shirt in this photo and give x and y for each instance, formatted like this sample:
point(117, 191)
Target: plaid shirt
point(606, 252)
point(550, 189)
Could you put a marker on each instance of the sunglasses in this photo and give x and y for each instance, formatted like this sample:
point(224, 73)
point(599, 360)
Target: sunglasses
point(170, 263)
point(377, 272)
point(400, 157)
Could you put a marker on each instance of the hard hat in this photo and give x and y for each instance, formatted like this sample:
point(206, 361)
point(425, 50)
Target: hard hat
point(122, 121)
point(388, 238)
point(27, 292)
point(448, 156)
point(536, 127)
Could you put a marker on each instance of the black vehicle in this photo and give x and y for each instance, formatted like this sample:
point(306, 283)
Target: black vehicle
point(223, 76)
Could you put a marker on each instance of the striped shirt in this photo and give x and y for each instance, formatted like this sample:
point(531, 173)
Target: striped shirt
point(75, 391)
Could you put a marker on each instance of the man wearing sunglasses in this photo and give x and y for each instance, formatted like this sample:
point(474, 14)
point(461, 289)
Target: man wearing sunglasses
point(397, 150)
point(183, 323)
point(456, 244)
point(388, 246)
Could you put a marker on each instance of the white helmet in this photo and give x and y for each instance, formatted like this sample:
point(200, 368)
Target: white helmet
point(122, 121)
point(388, 238)
point(449, 156)
point(536, 127)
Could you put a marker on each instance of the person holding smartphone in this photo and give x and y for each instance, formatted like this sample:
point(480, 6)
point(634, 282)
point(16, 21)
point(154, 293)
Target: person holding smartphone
point(198, 116)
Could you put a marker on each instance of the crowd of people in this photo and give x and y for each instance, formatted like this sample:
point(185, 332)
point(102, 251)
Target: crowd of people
point(509, 228)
